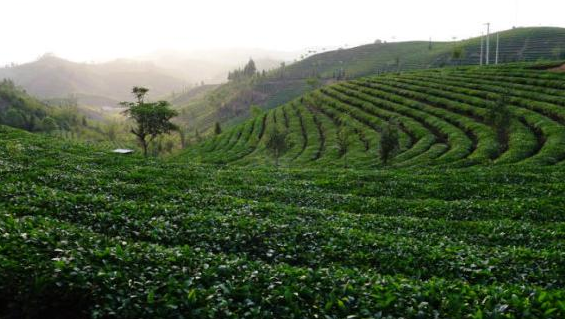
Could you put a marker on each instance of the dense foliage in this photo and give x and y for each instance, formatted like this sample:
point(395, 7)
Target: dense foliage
point(85, 233)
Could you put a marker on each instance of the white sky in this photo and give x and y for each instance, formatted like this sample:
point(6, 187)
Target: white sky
point(104, 29)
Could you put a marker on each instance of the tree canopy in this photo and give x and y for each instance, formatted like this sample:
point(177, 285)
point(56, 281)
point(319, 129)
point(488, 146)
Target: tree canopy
point(277, 144)
point(152, 119)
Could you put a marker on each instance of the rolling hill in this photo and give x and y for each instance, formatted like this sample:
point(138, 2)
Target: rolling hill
point(232, 101)
point(106, 84)
point(443, 119)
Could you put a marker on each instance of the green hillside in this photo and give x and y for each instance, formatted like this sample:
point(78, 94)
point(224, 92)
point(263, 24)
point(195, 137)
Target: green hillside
point(58, 117)
point(86, 233)
point(442, 115)
point(232, 101)
point(20, 110)
point(520, 44)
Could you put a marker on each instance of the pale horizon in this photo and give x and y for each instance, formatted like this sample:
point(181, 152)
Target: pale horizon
point(84, 31)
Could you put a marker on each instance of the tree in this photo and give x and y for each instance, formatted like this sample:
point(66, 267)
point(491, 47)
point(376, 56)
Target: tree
point(197, 136)
point(139, 93)
point(14, 118)
point(277, 144)
point(457, 54)
point(48, 124)
point(152, 119)
point(389, 141)
point(217, 128)
point(282, 68)
point(250, 69)
point(313, 82)
point(498, 117)
point(343, 142)
point(256, 111)
point(112, 131)
point(182, 136)
point(32, 123)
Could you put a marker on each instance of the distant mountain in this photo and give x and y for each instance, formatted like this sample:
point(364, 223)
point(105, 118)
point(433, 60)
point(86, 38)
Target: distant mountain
point(212, 66)
point(107, 83)
point(163, 72)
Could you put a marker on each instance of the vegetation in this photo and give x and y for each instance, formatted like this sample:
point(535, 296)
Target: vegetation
point(343, 141)
point(389, 141)
point(152, 119)
point(217, 128)
point(446, 117)
point(277, 144)
point(86, 233)
point(499, 117)
point(19, 109)
point(452, 206)
point(249, 71)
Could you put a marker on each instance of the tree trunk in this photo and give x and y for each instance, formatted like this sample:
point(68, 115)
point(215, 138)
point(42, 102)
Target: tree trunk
point(144, 146)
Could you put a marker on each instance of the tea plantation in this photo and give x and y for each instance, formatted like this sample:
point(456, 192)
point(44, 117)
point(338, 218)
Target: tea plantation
point(462, 223)
point(443, 117)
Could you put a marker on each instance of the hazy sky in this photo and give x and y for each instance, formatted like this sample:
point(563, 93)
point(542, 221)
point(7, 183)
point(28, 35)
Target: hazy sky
point(104, 29)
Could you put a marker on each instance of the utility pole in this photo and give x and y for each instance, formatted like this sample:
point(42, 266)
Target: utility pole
point(482, 45)
point(488, 43)
point(497, 40)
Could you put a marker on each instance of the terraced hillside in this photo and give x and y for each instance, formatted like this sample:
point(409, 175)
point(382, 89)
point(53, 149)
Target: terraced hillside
point(88, 234)
point(283, 85)
point(443, 118)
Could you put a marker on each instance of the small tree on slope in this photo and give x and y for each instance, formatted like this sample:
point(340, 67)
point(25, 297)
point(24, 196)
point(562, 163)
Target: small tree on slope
point(217, 128)
point(498, 117)
point(389, 141)
point(343, 140)
point(152, 119)
point(277, 144)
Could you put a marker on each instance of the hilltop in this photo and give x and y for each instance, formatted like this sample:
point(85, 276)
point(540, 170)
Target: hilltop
point(231, 102)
